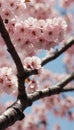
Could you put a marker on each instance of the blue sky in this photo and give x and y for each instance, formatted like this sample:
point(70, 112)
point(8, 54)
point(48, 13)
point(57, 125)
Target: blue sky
point(64, 123)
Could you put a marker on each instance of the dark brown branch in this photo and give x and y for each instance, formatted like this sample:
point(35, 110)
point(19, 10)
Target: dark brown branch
point(57, 53)
point(11, 48)
point(12, 114)
point(67, 89)
point(56, 89)
point(21, 73)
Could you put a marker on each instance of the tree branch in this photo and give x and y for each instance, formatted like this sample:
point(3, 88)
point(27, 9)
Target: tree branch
point(56, 54)
point(11, 48)
point(67, 89)
point(12, 114)
point(66, 81)
point(21, 73)
point(56, 89)
point(53, 56)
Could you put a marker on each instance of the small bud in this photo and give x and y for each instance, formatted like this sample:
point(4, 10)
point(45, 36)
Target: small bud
point(27, 0)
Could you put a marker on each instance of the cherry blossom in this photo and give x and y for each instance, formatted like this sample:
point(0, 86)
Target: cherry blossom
point(8, 81)
point(32, 86)
point(32, 63)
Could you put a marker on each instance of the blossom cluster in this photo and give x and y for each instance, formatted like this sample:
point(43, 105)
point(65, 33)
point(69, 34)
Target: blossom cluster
point(37, 34)
point(32, 63)
point(8, 81)
point(40, 10)
point(31, 34)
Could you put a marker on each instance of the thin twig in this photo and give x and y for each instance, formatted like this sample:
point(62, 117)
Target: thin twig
point(67, 80)
point(56, 89)
point(57, 53)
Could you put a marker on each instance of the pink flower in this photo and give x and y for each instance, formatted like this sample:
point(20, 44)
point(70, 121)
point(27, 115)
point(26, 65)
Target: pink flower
point(8, 81)
point(32, 63)
point(32, 86)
